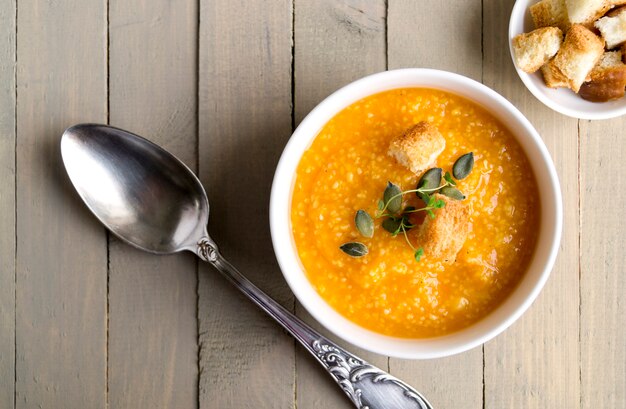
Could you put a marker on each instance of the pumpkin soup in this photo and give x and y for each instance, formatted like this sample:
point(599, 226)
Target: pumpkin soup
point(388, 270)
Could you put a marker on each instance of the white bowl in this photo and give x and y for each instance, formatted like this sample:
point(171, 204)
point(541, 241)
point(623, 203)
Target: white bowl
point(476, 334)
point(562, 100)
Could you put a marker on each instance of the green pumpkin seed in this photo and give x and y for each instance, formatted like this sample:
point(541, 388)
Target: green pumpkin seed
point(431, 179)
point(392, 198)
point(364, 223)
point(452, 192)
point(392, 225)
point(463, 166)
point(354, 249)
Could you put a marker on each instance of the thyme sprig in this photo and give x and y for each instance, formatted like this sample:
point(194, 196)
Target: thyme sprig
point(396, 219)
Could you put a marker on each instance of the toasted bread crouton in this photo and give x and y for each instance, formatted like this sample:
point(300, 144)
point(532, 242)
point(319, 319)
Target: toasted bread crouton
point(585, 12)
point(615, 3)
point(577, 56)
point(534, 49)
point(608, 79)
point(552, 77)
point(613, 27)
point(624, 53)
point(418, 147)
point(609, 59)
point(444, 235)
point(548, 13)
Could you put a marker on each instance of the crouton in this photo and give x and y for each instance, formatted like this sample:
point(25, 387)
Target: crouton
point(608, 60)
point(608, 79)
point(585, 12)
point(548, 13)
point(552, 77)
point(418, 147)
point(624, 53)
point(577, 56)
point(613, 27)
point(444, 236)
point(534, 49)
point(616, 3)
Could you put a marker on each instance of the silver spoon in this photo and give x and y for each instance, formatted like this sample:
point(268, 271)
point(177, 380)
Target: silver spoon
point(151, 200)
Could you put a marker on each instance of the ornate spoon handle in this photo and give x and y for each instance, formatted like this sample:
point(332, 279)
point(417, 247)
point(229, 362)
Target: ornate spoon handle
point(367, 386)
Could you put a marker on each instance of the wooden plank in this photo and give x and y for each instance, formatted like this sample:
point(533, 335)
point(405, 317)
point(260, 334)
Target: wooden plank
point(534, 364)
point(417, 37)
point(61, 248)
point(152, 300)
point(602, 257)
point(246, 361)
point(456, 381)
point(7, 203)
point(336, 42)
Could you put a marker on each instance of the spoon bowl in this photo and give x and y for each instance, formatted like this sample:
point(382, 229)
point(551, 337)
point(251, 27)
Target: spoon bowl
point(143, 194)
point(150, 199)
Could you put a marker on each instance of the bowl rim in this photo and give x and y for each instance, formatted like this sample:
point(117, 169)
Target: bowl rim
point(519, 13)
point(286, 253)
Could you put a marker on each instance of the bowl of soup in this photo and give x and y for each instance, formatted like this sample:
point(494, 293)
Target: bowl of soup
point(416, 213)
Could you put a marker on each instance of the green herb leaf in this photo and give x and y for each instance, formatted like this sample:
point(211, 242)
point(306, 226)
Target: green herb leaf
point(431, 179)
point(364, 223)
point(418, 254)
point(354, 249)
point(392, 225)
point(431, 201)
point(381, 205)
point(463, 166)
point(452, 192)
point(430, 213)
point(393, 198)
point(439, 204)
point(449, 179)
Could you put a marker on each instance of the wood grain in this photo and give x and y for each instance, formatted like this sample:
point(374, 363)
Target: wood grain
point(436, 34)
point(602, 257)
point(152, 300)
point(534, 364)
point(7, 203)
point(61, 248)
point(246, 361)
point(336, 42)
point(455, 381)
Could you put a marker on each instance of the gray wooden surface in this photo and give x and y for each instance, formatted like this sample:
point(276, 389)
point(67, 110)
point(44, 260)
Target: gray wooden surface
point(87, 322)
point(7, 204)
point(152, 303)
point(61, 253)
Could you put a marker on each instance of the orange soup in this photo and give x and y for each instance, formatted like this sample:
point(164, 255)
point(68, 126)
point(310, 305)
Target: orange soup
point(388, 291)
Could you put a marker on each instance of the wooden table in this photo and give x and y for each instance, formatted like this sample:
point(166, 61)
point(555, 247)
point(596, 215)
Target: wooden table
point(88, 322)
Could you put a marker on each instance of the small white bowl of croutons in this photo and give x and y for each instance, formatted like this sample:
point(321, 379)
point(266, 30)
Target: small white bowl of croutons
point(571, 54)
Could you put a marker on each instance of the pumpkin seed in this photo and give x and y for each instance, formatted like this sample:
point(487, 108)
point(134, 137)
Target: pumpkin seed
point(463, 166)
point(452, 192)
point(392, 198)
point(354, 249)
point(364, 223)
